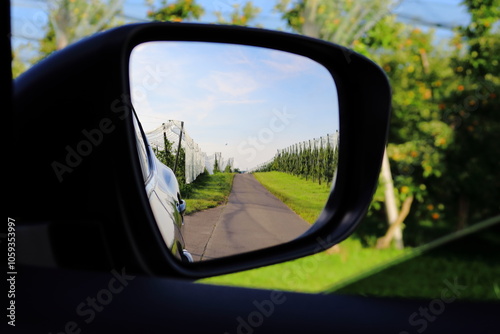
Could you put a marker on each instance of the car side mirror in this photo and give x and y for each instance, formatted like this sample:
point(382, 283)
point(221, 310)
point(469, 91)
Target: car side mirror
point(181, 207)
point(97, 165)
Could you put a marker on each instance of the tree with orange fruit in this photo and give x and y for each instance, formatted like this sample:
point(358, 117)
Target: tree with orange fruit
point(472, 110)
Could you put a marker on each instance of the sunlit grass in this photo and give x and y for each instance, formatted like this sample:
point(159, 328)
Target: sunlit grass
point(464, 264)
point(209, 191)
point(304, 197)
point(427, 276)
point(357, 270)
point(314, 273)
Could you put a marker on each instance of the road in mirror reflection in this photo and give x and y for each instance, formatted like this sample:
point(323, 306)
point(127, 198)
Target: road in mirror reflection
point(246, 117)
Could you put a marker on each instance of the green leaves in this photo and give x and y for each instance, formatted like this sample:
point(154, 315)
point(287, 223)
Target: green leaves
point(241, 15)
point(176, 11)
point(168, 156)
point(314, 160)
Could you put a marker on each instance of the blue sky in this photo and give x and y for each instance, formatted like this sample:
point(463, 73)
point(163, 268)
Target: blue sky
point(30, 19)
point(243, 101)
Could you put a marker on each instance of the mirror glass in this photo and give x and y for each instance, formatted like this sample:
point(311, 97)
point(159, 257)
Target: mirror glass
point(251, 134)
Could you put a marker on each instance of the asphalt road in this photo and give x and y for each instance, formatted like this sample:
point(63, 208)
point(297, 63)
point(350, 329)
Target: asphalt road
point(252, 219)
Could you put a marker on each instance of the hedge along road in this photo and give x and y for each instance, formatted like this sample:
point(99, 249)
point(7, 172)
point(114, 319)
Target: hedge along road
point(252, 219)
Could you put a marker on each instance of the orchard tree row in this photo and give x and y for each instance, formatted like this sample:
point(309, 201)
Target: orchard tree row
point(315, 161)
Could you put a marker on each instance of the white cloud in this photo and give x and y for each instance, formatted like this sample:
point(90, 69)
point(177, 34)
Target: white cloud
point(235, 84)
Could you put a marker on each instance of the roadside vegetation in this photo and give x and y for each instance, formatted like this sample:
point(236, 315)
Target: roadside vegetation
point(358, 268)
point(208, 191)
point(463, 264)
point(314, 273)
point(304, 197)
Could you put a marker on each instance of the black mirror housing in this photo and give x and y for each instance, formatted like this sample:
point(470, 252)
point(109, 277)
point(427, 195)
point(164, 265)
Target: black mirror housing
point(79, 152)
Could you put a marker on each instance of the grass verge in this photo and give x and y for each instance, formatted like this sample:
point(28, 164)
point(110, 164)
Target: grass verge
point(311, 274)
point(463, 264)
point(304, 197)
point(469, 265)
point(314, 273)
point(209, 191)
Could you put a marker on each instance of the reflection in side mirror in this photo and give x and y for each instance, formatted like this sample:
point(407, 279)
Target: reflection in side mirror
point(223, 116)
point(182, 207)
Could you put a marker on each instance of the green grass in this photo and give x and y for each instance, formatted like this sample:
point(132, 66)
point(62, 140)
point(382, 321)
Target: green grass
point(427, 276)
point(209, 191)
point(467, 262)
point(314, 273)
point(304, 197)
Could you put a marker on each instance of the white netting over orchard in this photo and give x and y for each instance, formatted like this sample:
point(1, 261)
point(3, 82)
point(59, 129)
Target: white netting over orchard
point(221, 162)
point(195, 159)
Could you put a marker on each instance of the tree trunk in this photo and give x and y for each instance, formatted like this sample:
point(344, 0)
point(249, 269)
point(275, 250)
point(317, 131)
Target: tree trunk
point(310, 28)
point(385, 241)
point(391, 206)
